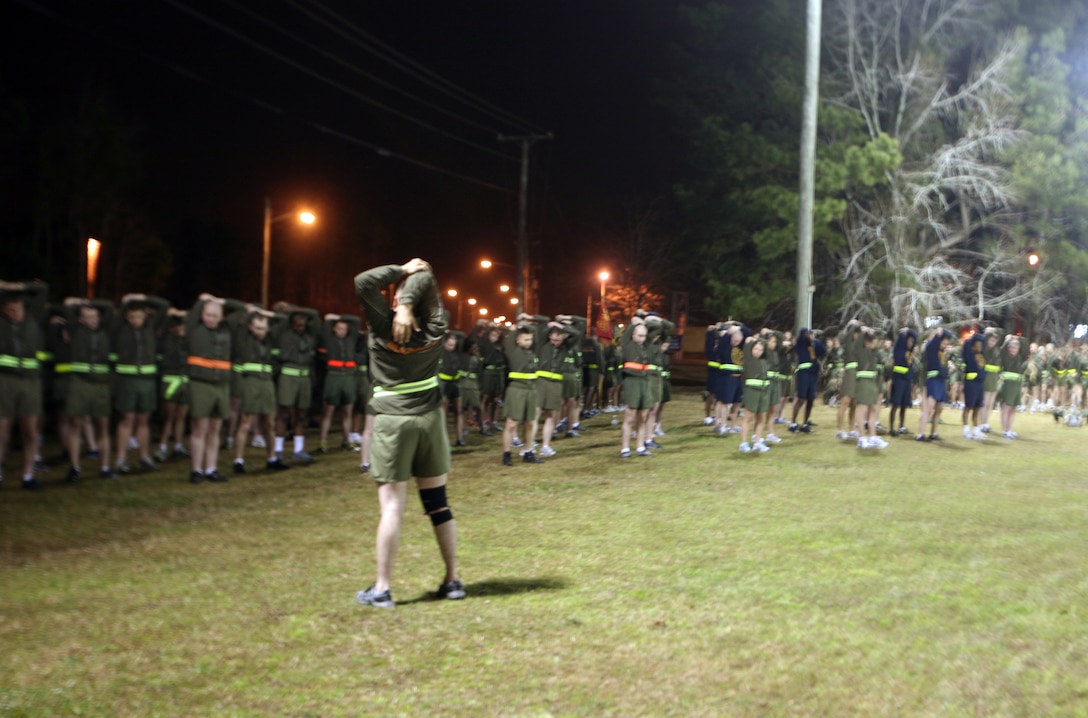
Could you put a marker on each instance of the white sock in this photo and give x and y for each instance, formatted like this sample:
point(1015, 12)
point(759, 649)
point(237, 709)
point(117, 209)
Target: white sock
point(162, 448)
point(239, 462)
point(299, 442)
point(209, 470)
point(279, 444)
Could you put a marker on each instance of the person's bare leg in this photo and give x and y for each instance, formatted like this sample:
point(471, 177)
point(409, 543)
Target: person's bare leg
point(391, 499)
point(445, 533)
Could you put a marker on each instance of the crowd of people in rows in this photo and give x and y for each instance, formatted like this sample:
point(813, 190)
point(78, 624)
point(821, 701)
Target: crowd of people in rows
point(861, 370)
point(231, 374)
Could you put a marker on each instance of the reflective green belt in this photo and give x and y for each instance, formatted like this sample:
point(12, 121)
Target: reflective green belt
point(362, 368)
point(653, 367)
point(409, 387)
point(63, 368)
point(173, 383)
point(805, 365)
point(992, 368)
point(14, 362)
point(1011, 376)
point(730, 367)
point(527, 376)
point(85, 368)
point(446, 377)
point(774, 375)
point(969, 376)
point(933, 374)
point(113, 356)
point(549, 375)
point(292, 371)
point(44, 356)
point(491, 367)
point(866, 374)
point(470, 375)
point(568, 360)
point(253, 367)
point(591, 366)
point(851, 365)
point(757, 383)
point(901, 369)
point(666, 374)
point(136, 370)
point(714, 365)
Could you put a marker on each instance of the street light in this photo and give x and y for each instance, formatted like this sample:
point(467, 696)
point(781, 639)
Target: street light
point(269, 220)
point(603, 276)
point(93, 248)
point(523, 278)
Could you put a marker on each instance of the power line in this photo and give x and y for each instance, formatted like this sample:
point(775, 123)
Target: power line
point(355, 68)
point(327, 80)
point(439, 83)
point(264, 105)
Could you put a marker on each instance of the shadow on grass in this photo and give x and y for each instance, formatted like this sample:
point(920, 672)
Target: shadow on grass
point(499, 587)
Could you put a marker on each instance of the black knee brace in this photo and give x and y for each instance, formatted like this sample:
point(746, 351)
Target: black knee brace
point(434, 505)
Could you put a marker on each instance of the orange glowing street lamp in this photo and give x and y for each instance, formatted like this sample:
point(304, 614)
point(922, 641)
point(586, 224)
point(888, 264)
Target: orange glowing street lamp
point(307, 218)
point(93, 249)
point(603, 276)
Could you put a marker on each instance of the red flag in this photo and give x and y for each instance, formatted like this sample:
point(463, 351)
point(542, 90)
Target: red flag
point(604, 324)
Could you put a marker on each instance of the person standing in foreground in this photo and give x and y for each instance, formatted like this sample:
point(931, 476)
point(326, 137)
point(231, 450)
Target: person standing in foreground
point(22, 344)
point(409, 430)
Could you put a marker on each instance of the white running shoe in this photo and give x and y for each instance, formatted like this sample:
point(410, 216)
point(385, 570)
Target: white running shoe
point(863, 443)
point(745, 448)
point(967, 432)
point(853, 434)
point(841, 435)
point(761, 447)
point(258, 442)
point(772, 439)
point(547, 452)
point(708, 421)
point(875, 442)
point(977, 434)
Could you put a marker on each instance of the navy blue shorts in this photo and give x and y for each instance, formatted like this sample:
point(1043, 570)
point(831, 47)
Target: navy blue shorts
point(806, 385)
point(901, 391)
point(937, 390)
point(729, 388)
point(972, 393)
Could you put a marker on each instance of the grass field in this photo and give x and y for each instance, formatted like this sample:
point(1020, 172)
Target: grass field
point(941, 580)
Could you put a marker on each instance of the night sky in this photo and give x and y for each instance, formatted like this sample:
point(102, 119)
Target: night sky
point(220, 123)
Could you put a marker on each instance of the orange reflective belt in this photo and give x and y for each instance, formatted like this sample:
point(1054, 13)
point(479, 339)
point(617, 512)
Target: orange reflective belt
point(222, 364)
point(636, 366)
point(341, 364)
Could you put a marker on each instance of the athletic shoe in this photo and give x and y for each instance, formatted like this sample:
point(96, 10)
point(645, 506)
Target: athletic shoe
point(529, 458)
point(276, 464)
point(780, 420)
point(484, 431)
point(40, 466)
point(881, 429)
point(181, 452)
point(33, 485)
point(625, 453)
point(863, 443)
point(853, 434)
point(921, 437)
point(876, 442)
point(734, 430)
point(1014, 435)
point(93, 454)
point(322, 448)
point(658, 432)
point(643, 452)
point(977, 434)
point(985, 428)
point(147, 465)
point(239, 467)
point(370, 597)
point(573, 434)
point(721, 430)
point(772, 439)
point(196, 477)
point(460, 442)
point(507, 459)
point(967, 432)
point(303, 457)
point(453, 590)
point(160, 455)
point(364, 468)
point(123, 467)
point(745, 448)
point(258, 442)
point(761, 447)
point(794, 428)
point(933, 437)
point(708, 421)
point(615, 421)
point(133, 442)
point(806, 428)
point(902, 430)
point(517, 443)
point(547, 452)
point(841, 435)
point(651, 444)
point(106, 473)
point(215, 477)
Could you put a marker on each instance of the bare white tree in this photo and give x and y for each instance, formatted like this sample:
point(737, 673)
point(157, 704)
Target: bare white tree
point(934, 239)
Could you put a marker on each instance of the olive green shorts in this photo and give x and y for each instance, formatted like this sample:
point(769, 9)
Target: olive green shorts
point(491, 382)
point(175, 388)
point(88, 398)
point(470, 397)
point(655, 382)
point(521, 402)
point(339, 389)
point(20, 396)
point(866, 392)
point(235, 384)
point(549, 393)
point(293, 391)
point(636, 392)
point(848, 388)
point(1010, 391)
point(757, 400)
point(572, 386)
point(135, 395)
point(407, 446)
point(258, 395)
point(209, 399)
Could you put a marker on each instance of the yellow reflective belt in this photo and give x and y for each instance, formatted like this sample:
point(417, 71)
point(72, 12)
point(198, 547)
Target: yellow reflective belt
point(44, 356)
point(63, 368)
point(1011, 376)
point(851, 365)
point(292, 371)
point(253, 367)
point(14, 362)
point(446, 377)
point(173, 383)
point(806, 365)
point(408, 387)
point(900, 369)
point(714, 364)
point(85, 368)
point(932, 374)
point(549, 375)
point(993, 368)
point(730, 367)
point(362, 368)
point(134, 370)
point(528, 376)
point(757, 383)
point(865, 374)
point(970, 375)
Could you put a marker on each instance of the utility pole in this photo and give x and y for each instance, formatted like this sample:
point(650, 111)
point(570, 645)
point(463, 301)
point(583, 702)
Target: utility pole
point(525, 287)
point(805, 284)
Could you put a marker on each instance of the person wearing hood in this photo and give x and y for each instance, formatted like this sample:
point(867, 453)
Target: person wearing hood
point(936, 382)
point(809, 351)
point(974, 362)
